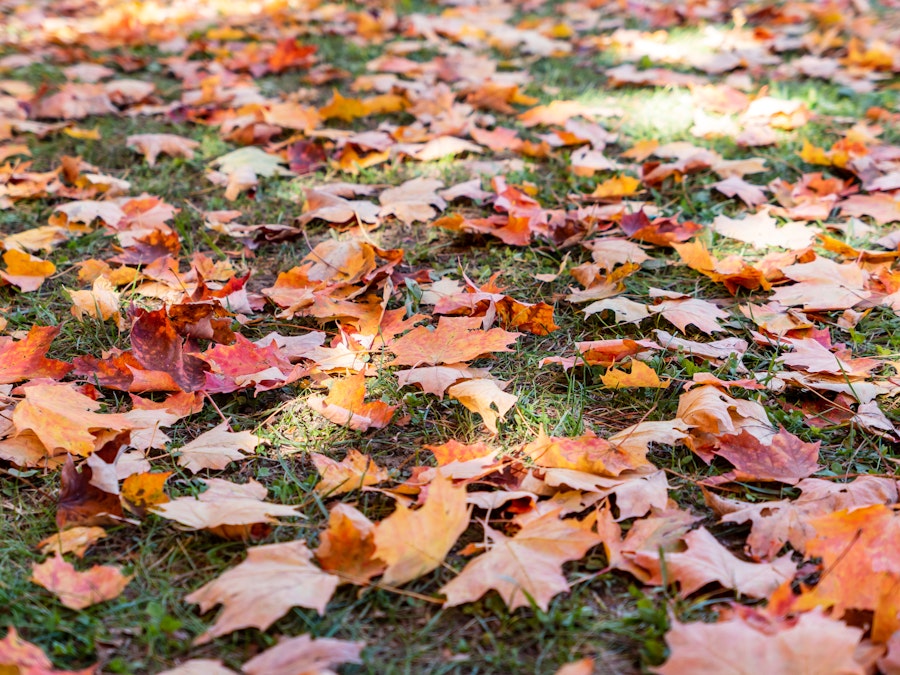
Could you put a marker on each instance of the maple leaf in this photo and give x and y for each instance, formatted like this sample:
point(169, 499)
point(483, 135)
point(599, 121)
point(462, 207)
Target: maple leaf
point(227, 509)
point(413, 543)
point(484, 397)
point(75, 540)
point(143, 490)
point(335, 209)
point(733, 186)
point(586, 453)
point(19, 657)
point(455, 340)
point(352, 473)
point(81, 503)
point(761, 230)
point(304, 655)
point(711, 412)
point(25, 271)
point(684, 312)
point(158, 347)
point(199, 667)
point(785, 458)
point(883, 209)
point(823, 284)
point(101, 302)
point(26, 358)
point(152, 145)
point(525, 568)
point(641, 375)
point(776, 523)
point(436, 379)
point(262, 588)
point(347, 546)
point(77, 590)
point(244, 363)
point(345, 405)
point(415, 200)
point(810, 355)
point(757, 644)
point(706, 561)
point(62, 418)
point(216, 448)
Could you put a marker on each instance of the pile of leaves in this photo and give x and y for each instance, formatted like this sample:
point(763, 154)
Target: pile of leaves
point(790, 545)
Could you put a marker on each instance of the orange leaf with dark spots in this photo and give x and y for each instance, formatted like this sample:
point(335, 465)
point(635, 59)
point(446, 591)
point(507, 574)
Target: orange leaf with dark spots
point(26, 358)
point(142, 490)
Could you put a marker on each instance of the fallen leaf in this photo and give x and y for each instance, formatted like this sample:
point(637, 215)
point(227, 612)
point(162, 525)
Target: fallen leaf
point(77, 590)
point(812, 643)
point(19, 657)
point(304, 655)
point(27, 358)
point(152, 145)
point(355, 471)
point(785, 458)
point(228, 509)
point(641, 375)
point(262, 588)
point(25, 271)
point(347, 546)
point(413, 543)
point(586, 453)
point(75, 540)
point(217, 448)
point(484, 397)
point(345, 405)
point(414, 200)
point(455, 340)
point(525, 568)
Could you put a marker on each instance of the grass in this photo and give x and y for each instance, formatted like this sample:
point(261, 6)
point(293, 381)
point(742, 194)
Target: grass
point(150, 627)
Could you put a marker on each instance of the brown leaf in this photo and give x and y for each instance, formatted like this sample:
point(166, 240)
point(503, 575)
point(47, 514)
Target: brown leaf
point(77, 590)
point(157, 347)
point(81, 503)
point(262, 588)
point(152, 145)
point(415, 200)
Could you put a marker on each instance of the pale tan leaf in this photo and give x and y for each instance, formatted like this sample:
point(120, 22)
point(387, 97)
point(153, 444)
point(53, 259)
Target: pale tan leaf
point(217, 448)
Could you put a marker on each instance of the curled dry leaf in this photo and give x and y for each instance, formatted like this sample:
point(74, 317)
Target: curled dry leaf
point(353, 472)
point(347, 546)
point(77, 590)
point(75, 540)
point(345, 405)
point(485, 397)
point(262, 588)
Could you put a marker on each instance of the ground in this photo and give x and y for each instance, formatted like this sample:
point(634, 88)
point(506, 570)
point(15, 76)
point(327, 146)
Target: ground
point(607, 615)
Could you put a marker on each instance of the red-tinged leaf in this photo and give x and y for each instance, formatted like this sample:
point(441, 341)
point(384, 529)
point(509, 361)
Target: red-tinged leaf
point(145, 250)
point(784, 459)
point(455, 340)
point(123, 372)
point(345, 405)
point(585, 453)
point(157, 347)
point(352, 473)
point(63, 418)
point(305, 157)
point(77, 590)
point(661, 231)
point(244, 364)
point(27, 358)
